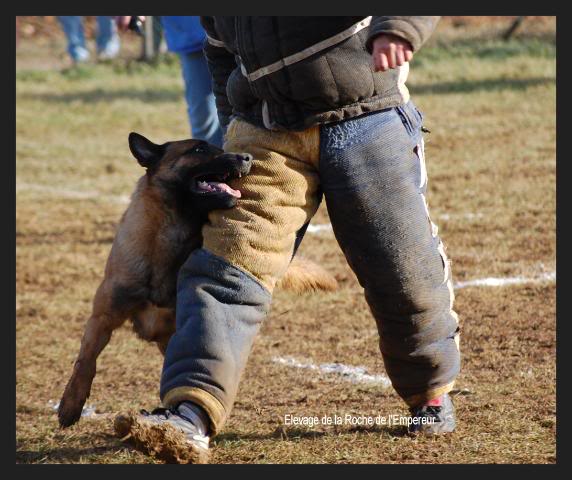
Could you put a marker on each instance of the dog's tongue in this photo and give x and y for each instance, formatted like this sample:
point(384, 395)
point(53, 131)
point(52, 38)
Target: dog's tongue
point(225, 188)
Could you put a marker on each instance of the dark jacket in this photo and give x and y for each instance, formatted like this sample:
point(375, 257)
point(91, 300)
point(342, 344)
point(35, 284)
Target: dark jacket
point(295, 72)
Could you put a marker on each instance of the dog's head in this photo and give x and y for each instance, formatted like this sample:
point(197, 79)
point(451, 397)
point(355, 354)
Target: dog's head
point(192, 171)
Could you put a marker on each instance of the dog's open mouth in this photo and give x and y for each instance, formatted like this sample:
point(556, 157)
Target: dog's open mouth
point(215, 184)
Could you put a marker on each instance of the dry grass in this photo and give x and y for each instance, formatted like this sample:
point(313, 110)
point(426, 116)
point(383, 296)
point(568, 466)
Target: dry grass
point(490, 107)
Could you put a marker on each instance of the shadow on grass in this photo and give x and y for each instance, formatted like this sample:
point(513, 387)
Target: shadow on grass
point(70, 454)
point(64, 455)
point(397, 431)
point(101, 95)
point(295, 434)
point(486, 85)
point(277, 434)
point(74, 455)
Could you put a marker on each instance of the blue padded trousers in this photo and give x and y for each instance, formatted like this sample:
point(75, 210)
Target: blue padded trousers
point(371, 172)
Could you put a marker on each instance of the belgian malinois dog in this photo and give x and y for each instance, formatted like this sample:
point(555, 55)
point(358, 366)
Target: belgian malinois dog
point(160, 228)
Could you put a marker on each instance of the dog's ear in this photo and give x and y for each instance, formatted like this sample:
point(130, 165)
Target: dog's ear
point(145, 151)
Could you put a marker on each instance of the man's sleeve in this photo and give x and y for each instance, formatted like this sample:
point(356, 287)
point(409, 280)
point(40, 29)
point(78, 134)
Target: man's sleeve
point(416, 30)
point(221, 64)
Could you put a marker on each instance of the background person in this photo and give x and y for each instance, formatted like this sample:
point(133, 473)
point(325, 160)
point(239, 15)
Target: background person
point(106, 40)
point(186, 37)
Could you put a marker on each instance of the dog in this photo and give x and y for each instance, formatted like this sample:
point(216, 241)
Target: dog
point(184, 180)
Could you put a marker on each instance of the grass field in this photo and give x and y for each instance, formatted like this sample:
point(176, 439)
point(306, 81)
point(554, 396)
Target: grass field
point(491, 110)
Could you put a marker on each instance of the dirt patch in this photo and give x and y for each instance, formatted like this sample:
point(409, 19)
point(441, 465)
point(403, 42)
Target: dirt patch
point(163, 442)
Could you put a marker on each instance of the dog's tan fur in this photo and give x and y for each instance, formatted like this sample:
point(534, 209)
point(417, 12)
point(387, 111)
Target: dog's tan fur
point(153, 238)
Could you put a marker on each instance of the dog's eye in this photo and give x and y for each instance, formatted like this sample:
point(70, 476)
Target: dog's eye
point(200, 149)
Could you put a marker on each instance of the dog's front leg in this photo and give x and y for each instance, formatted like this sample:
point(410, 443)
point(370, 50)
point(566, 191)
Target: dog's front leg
point(96, 336)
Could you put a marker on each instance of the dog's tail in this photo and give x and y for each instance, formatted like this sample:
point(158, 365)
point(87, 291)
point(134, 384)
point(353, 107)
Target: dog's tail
point(306, 276)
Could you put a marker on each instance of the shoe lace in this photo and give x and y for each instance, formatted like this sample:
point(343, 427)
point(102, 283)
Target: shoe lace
point(433, 410)
point(428, 411)
point(165, 412)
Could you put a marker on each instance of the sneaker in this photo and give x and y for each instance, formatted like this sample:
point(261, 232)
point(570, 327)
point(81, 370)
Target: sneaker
point(434, 417)
point(110, 51)
point(79, 55)
point(171, 435)
point(105, 55)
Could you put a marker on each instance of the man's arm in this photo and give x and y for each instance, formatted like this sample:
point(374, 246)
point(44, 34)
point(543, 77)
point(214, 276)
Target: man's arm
point(123, 22)
point(393, 39)
point(221, 64)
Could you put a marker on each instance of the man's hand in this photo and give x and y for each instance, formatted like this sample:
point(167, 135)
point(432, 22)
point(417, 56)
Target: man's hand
point(390, 51)
point(123, 22)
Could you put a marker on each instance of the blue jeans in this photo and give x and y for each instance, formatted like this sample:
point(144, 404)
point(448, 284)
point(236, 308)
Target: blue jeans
point(107, 40)
point(201, 107)
point(371, 172)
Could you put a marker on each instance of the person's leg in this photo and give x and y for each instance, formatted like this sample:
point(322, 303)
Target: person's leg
point(73, 29)
point(374, 180)
point(224, 288)
point(201, 106)
point(107, 39)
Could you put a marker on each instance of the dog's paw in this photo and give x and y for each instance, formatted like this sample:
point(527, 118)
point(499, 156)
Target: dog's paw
point(69, 412)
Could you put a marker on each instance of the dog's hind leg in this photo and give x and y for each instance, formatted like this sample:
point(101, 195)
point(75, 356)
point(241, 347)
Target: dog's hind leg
point(155, 324)
point(103, 321)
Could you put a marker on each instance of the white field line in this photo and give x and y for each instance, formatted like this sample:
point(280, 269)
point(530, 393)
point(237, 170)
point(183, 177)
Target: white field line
point(503, 282)
point(72, 194)
point(346, 372)
point(87, 411)
point(464, 216)
point(319, 227)
point(327, 227)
